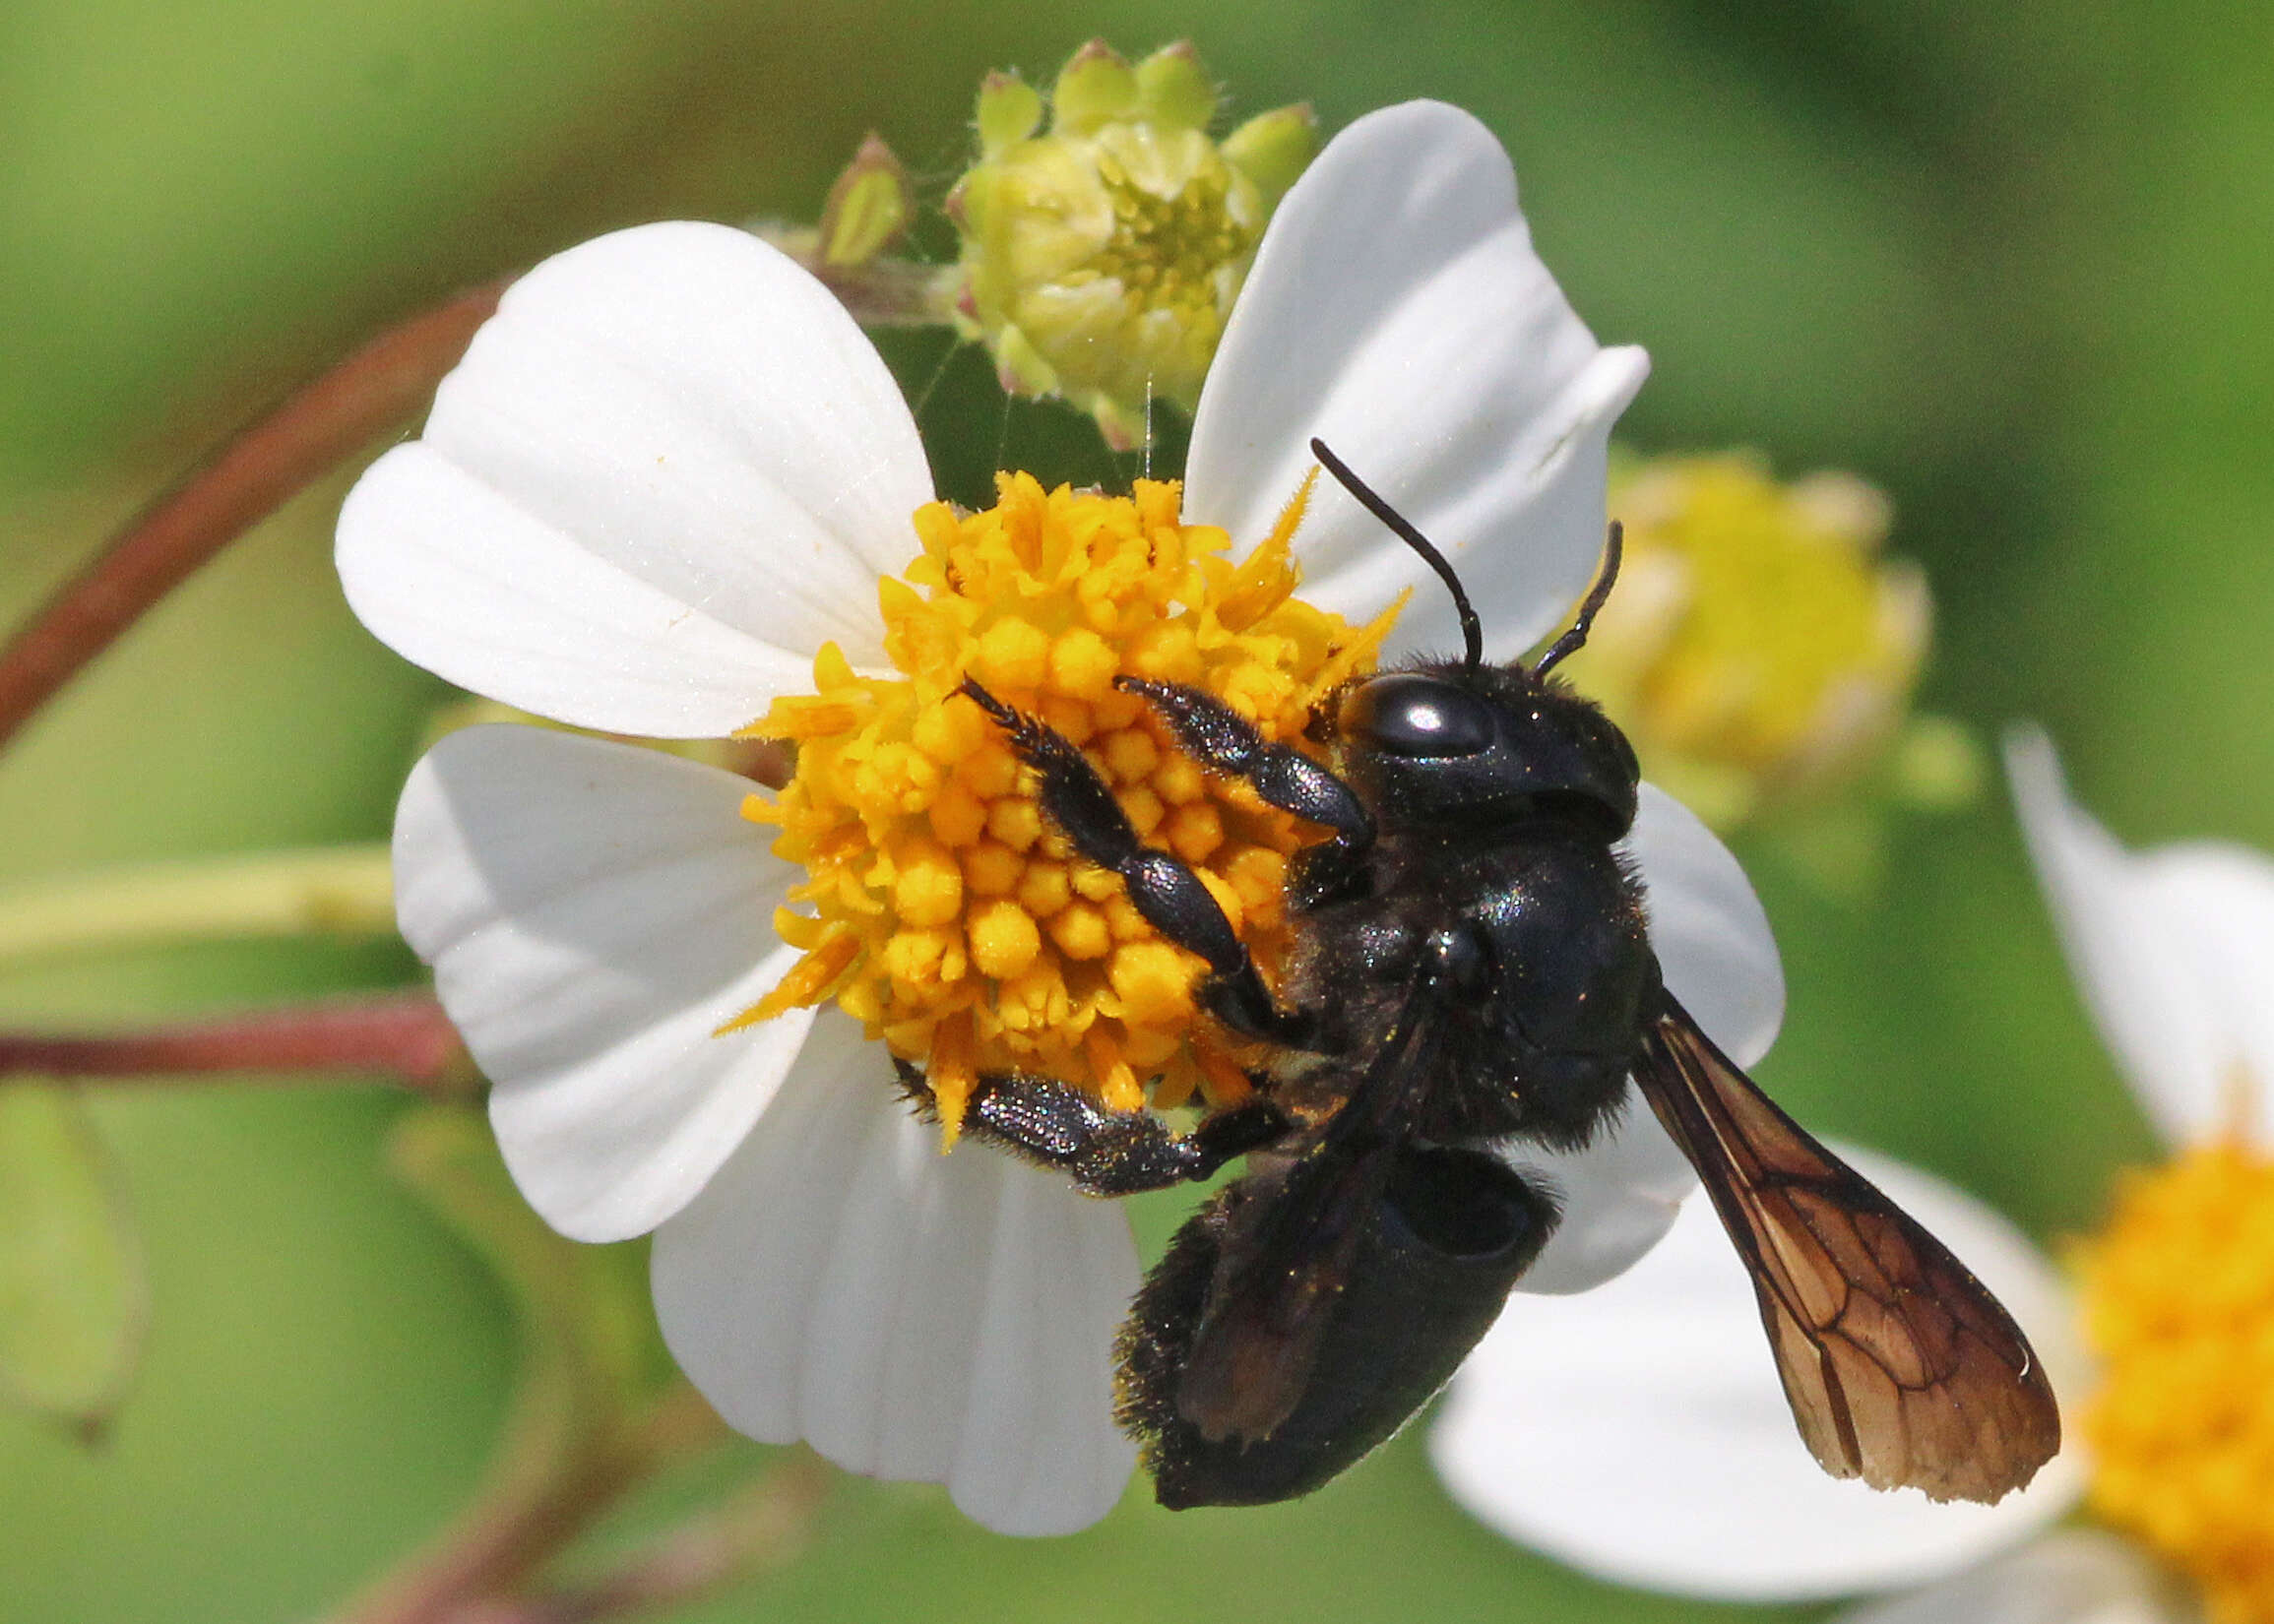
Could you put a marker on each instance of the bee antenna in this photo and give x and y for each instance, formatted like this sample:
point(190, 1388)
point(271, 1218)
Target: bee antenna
point(1471, 628)
point(1571, 642)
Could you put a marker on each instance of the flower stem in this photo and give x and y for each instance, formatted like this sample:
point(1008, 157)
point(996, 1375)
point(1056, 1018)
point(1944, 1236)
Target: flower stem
point(342, 889)
point(311, 432)
point(404, 1037)
point(880, 293)
point(761, 1529)
point(545, 1490)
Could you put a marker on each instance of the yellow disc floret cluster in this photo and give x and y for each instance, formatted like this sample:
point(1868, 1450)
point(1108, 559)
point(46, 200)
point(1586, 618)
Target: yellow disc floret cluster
point(947, 915)
point(1759, 651)
point(2180, 1303)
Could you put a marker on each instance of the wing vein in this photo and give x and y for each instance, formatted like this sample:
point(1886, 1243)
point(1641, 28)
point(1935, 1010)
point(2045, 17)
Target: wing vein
point(1900, 1367)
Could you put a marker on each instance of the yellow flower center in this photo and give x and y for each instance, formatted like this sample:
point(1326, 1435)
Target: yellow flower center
point(1169, 251)
point(1114, 259)
point(948, 916)
point(2180, 1303)
point(1756, 648)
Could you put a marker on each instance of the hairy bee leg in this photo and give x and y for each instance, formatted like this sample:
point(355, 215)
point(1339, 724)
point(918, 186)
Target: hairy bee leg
point(1224, 741)
point(1162, 886)
point(1105, 1152)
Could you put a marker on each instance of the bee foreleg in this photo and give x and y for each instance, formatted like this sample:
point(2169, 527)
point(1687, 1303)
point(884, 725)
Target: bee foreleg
point(1105, 1152)
point(1224, 741)
point(1162, 886)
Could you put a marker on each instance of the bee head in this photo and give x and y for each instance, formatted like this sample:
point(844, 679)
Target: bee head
point(1465, 742)
point(1452, 743)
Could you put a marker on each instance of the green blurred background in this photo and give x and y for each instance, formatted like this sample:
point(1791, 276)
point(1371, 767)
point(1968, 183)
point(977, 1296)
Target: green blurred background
point(2007, 261)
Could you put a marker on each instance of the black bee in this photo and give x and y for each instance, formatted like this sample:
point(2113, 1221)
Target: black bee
point(1471, 965)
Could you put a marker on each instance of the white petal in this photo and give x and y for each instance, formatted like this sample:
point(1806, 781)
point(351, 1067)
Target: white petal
point(1616, 1199)
point(2174, 950)
point(1397, 310)
point(594, 912)
point(1639, 1432)
point(2070, 1576)
point(944, 1318)
point(1712, 939)
point(2217, 904)
point(666, 472)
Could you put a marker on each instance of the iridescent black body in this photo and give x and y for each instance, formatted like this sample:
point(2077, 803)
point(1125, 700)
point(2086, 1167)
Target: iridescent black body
point(1471, 966)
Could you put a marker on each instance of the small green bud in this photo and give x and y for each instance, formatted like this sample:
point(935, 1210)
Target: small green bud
point(1101, 257)
point(73, 1297)
point(1274, 149)
point(1175, 91)
point(869, 207)
point(1010, 110)
point(1937, 765)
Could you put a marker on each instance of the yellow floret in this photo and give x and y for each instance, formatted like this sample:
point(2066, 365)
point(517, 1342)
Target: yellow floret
point(928, 889)
point(1004, 940)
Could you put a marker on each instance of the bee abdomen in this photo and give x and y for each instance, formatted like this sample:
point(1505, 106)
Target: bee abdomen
point(1435, 1261)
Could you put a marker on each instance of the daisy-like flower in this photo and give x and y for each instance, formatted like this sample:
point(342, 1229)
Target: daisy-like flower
point(1760, 651)
point(1640, 1434)
point(674, 492)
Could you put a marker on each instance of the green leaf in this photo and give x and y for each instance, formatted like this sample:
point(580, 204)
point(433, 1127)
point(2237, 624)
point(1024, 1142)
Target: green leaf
point(73, 1299)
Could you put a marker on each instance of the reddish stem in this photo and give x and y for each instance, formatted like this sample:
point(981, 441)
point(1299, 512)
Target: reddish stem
point(249, 479)
point(759, 1531)
point(536, 1509)
point(404, 1037)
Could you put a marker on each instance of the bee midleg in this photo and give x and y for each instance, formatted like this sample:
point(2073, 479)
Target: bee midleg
point(1161, 885)
point(1105, 1152)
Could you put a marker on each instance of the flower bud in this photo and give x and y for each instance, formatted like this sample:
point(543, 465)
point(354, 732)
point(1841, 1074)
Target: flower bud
point(1758, 650)
point(1101, 256)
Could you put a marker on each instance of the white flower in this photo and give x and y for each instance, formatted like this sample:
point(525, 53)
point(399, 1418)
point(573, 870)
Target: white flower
point(1641, 1434)
point(665, 475)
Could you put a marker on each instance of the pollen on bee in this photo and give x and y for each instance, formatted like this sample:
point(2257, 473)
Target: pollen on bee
point(940, 906)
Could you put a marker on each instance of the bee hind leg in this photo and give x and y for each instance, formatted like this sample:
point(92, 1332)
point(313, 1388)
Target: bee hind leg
point(1162, 886)
point(1106, 1152)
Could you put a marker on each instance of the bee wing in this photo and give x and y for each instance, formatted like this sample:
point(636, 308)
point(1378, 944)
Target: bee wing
point(1900, 1366)
point(1286, 1247)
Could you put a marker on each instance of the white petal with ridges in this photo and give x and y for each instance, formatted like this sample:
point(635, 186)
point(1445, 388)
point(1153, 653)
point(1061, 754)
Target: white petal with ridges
point(944, 1318)
point(1713, 942)
point(1397, 310)
point(666, 472)
point(2174, 950)
point(2217, 906)
point(1641, 1433)
point(2070, 1576)
point(594, 912)
point(1615, 1200)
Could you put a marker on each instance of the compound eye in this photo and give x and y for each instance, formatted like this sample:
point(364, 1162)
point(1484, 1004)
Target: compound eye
point(1409, 713)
